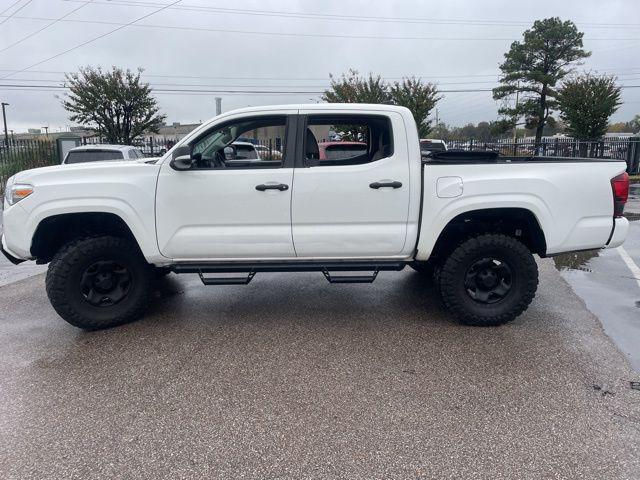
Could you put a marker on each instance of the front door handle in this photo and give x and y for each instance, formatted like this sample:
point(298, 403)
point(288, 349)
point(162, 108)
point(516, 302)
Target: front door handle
point(377, 185)
point(272, 186)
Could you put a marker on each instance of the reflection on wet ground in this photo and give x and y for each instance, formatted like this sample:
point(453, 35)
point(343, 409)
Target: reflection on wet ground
point(575, 260)
point(607, 285)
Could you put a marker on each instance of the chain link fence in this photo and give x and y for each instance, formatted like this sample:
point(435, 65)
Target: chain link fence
point(25, 154)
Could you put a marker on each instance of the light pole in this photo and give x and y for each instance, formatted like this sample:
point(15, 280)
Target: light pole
point(4, 119)
point(46, 131)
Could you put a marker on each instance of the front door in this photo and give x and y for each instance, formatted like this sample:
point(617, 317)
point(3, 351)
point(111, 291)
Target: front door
point(351, 194)
point(235, 201)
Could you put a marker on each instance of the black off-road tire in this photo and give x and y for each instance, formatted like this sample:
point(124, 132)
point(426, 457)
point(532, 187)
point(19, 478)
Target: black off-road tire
point(68, 270)
point(459, 299)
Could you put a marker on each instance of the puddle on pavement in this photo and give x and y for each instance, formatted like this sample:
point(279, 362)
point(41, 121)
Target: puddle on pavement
point(575, 260)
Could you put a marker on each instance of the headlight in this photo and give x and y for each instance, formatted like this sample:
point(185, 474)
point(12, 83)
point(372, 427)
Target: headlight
point(17, 192)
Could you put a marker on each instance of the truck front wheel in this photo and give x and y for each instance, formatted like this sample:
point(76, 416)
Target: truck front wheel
point(99, 282)
point(488, 280)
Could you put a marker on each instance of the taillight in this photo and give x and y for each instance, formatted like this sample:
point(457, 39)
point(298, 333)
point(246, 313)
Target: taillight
point(620, 190)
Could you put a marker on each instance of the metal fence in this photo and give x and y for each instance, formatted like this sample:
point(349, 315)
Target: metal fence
point(33, 153)
point(150, 146)
point(623, 148)
point(23, 155)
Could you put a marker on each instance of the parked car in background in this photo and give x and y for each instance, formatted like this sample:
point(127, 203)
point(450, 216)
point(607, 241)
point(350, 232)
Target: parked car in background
point(341, 150)
point(430, 145)
point(265, 153)
point(239, 154)
point(100, 153)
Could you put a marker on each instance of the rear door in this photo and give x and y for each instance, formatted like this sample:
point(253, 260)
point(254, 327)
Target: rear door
point(352, 205)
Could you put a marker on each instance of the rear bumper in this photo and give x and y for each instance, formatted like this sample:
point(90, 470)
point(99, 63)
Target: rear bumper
point(619, 234)
point(11, 257)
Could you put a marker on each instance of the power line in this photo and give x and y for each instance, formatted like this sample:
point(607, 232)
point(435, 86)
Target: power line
point(9, 7)
point(14, 12)
point(191, 28)
point(350, 18)
point(210, 91)
point(633, 72)
point(45, 27)
point(93, 39)
point(327, 85)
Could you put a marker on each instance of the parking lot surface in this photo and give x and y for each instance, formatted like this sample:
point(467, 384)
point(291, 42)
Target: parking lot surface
point(609, 283)
point(291, 377)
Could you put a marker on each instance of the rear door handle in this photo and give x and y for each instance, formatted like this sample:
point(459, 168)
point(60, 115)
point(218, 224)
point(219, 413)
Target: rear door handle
point(377, 185)
point(272, 186)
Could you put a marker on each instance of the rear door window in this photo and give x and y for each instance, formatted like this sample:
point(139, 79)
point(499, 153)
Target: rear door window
point(346, 139)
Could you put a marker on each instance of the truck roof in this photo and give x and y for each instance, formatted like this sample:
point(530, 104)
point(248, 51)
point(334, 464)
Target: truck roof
point(321, 106)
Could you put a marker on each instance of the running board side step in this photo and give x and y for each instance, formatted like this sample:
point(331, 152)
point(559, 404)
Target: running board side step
point(245, 271)
point(350, 278)
point(227, 280)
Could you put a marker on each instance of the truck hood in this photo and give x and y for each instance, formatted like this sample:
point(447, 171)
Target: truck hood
point(81, 169)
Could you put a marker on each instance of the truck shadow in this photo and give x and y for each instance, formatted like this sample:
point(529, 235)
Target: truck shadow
point(405, 296)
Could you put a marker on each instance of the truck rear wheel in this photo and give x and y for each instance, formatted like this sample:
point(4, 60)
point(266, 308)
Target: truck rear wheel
point(99, 282)
point(488, 280)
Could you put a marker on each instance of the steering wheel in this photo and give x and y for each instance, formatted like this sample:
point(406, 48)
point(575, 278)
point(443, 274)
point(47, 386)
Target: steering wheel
point(219, 159)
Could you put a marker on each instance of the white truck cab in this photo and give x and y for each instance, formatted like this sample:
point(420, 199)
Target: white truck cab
point(474, 220)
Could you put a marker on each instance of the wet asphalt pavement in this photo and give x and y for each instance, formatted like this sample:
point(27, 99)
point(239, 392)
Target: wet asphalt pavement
point(609, 286)
point(291, 377)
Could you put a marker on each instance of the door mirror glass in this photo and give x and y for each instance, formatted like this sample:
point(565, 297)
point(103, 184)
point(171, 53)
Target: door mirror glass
point(182, 159)
point(229, 153)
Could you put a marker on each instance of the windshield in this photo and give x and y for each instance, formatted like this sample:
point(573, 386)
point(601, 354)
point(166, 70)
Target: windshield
point(81, 156)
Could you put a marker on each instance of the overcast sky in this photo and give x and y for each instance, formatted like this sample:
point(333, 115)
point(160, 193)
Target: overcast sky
point(291, 46)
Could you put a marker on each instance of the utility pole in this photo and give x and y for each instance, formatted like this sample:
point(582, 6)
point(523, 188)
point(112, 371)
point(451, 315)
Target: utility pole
point(437, 118)
point(218, 106)
point(46, 131)
point(515, 126)
point(4, 119)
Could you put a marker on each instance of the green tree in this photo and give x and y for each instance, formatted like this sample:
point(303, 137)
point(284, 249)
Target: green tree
point(500, 128)
point(115, 104)
point(533, 67)
point(418, 97)
point(352, 88)
point(441, 131)
point(586, 103)
point(620, 127)
point(412, 93)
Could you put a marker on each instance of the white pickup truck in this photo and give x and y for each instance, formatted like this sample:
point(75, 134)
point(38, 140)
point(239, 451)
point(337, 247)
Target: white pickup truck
point(473, 219)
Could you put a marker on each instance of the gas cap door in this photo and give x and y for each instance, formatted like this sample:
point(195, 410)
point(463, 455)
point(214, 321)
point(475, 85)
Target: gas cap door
point(449, 187)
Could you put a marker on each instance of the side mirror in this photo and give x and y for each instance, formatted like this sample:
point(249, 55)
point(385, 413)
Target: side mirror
point(182, 159)
point(229, 153)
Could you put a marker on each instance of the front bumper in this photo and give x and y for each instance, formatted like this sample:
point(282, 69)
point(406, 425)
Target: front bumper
point(619, 234)
point(12, 258)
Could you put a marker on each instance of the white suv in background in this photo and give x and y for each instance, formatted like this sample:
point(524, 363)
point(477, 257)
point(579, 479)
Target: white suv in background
point(99, 153)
